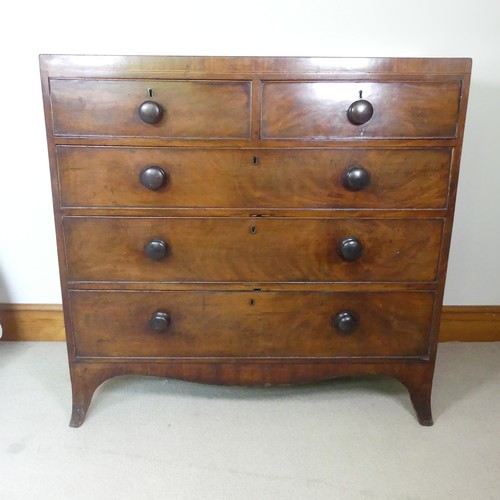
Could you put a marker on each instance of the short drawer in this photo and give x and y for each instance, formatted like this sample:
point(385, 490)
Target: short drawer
point(190, 109)
point(319, 110)
point(294, 178)
point(251, 249)
point(243, 324)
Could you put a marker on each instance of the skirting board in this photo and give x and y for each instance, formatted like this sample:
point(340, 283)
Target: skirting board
point(40, 322)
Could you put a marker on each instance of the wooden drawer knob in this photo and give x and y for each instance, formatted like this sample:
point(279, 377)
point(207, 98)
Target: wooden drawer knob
point(153, 178)
point(150, 112)
point(350, 248)
point(345, 322)
point(360, 112)
point(160, 322)
point(356, 178)
point(156, 249)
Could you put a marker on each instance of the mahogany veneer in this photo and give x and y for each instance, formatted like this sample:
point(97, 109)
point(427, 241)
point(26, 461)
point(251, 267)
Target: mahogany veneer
point(253, 220)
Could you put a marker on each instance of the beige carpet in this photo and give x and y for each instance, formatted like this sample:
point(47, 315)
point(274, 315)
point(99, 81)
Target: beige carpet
point(147, 438)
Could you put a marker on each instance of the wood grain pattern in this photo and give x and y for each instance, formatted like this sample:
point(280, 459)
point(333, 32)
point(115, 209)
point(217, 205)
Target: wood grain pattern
point(224, 249)
point(253, 178)
point(192, 109)
point(292, 68)
point(234, 224)
point(319, 109)
point(45, 323)
point(258, 324)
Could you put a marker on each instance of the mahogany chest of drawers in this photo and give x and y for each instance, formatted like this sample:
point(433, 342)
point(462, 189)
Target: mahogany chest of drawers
point(253, 221)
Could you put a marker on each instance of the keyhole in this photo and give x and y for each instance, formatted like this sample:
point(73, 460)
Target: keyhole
point(361, 94)
point(150, 92)
point(253, 229)
point(255, 160)
point(252, 302)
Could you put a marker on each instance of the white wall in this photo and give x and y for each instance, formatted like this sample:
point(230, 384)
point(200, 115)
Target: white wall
point(426, 28)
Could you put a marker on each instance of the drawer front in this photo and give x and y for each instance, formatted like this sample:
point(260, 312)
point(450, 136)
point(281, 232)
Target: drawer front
point(251, 249)
point(292, 178)
point(201, 109)
point(240, 324)
point(319, 110)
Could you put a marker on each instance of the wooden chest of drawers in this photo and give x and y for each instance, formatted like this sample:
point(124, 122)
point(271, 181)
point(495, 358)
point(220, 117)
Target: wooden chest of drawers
point(253, 220)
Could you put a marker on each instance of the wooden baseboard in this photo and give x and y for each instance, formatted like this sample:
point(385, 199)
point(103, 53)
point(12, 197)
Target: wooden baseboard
point(470, 324)
point(32, 322)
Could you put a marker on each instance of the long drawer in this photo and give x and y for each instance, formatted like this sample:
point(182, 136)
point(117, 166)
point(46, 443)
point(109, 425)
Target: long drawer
point(294, 178)
point(251, 249)
point(191, 109)
point(319, 110)
point(241, 324)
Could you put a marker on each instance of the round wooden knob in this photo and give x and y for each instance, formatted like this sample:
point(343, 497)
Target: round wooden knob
point(156, 249)
point(160, 322)
point(345, 322)
point(350, 248)
point(360, 112)
point(150, 112)
point(153, 178)
point(356, 178)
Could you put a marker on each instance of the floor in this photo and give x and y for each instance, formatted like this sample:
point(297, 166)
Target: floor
point(148, 438)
